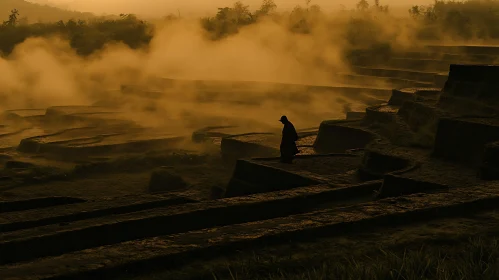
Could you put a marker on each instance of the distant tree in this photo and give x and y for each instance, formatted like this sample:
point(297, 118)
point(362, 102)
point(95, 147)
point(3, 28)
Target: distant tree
point(267, 7)
point(315, 9)
point(241, 13)
point(228, 20)
point(362, 5)
point(415, 12)
point(12, 18)
point(380, 8)
point(428, 13)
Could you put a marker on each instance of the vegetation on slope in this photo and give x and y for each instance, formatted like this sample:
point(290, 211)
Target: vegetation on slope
point(369, 25)
point(84, 36)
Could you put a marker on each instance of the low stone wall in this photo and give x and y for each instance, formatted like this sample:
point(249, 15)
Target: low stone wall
point(404, 74)
point(21, 205)
point(355, 115)
point(76, 211)
point(165, 179)
point(91, 141)
point(55, 240)
point(476, 82)
point(381, 113)
point(394, 186)
point(464, 140)
point(417, 64)
point(465, 50)
point(399, 96)
point(333, 137)
point(23, 114)
point(58, 111)
point(212, 131)
point(440, 80)
point(236, 147)
point(107, 261)
point(422, 119)
point(376, 164)
point(489, 170)
point(465, 107)
point(249, 177)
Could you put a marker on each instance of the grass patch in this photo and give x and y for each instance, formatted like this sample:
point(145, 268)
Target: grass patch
point(473, 258)
point(477, 259)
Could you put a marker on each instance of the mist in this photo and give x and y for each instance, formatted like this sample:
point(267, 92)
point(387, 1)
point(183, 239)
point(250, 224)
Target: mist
point(46, 71)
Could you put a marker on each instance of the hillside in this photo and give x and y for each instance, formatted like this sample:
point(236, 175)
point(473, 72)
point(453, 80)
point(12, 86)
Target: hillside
point(35, 12)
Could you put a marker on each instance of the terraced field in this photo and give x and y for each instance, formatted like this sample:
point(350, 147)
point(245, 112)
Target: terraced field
point(92, 191)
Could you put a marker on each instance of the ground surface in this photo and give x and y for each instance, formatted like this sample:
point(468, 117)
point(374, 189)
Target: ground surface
point(84, 173)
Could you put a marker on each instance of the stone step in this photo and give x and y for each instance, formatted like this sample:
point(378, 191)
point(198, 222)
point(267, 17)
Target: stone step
point(338, 136)
point(474, 82)
point(394, 186)
point(452, 142)
point(399, 96)
point(399, 73)
point(483, 54)
point(251, 145)
point(60, 214)
point(489, 172)
point(54, 240)
point(382, 113)
point(466, 107)
point(477, 58)
point(166, 252)
point(491, 154)
point(85, 141)
point(421, 64)
point(420, 116)
point(23, 114)
point(269, 174)
point(374, 80)
point(60, 111)
point(430, 65)
point(466, 50)
point(376, 165)
point(10, 141)
point(33, 203)
point(355, 115)
point(207, 133)
point(440, 80)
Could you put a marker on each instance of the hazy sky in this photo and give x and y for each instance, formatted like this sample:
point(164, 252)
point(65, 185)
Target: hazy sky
point(162, 7)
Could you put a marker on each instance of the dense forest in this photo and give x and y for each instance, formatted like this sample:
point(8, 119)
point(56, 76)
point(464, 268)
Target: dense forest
point(370, 24)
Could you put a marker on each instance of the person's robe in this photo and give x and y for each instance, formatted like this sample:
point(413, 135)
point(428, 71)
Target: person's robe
point(289, 137)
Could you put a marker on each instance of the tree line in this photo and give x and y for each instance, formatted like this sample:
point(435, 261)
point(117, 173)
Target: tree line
point(463, 20)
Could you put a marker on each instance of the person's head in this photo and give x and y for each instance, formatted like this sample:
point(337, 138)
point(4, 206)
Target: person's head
point(284, 119)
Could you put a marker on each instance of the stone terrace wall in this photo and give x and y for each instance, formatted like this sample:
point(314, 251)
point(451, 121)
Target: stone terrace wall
point(477, 82)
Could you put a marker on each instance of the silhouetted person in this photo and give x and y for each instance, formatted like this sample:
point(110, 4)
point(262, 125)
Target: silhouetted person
point(289, 137)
